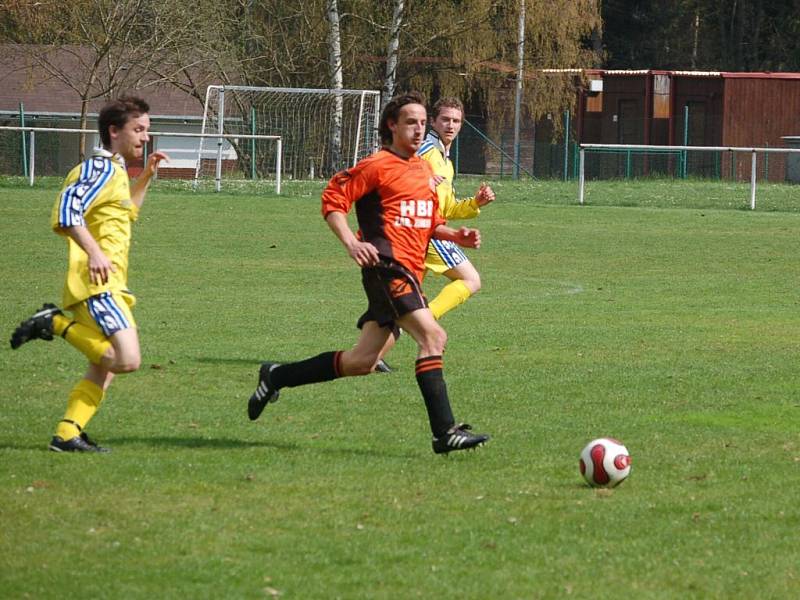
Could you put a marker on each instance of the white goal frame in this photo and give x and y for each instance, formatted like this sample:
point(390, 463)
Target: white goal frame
point(218, 179)
point(753, 160)
point(216, 116)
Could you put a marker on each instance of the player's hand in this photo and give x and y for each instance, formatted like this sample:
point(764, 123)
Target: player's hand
point(468, 237)
point(437, 179)
point(153, 161)
point(99, 268)
point(484, 195)
point(364, 253)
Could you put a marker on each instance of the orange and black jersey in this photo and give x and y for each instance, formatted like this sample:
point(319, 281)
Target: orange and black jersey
point(396, 205)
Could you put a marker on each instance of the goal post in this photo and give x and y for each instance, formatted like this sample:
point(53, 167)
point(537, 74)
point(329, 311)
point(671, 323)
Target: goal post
point(322, 131)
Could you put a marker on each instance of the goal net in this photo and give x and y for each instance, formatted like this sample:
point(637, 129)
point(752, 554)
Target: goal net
point(323, 131)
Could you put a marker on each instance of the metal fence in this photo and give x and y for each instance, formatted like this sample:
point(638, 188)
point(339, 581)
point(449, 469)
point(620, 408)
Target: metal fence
point(42, 151)
point(605, 161)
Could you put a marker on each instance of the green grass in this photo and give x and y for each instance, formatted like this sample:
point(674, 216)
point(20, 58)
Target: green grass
point(673, 329)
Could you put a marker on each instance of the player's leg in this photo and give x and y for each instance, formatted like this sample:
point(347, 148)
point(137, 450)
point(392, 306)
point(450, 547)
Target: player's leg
point(88, 330)
point(359, 360)
point(85, 398)
point(82, 404)
point(88, 339)
point(448, 259)
point(39, 326)
point(382, 366)
point(465, 281)
point(108, 318)
point(373, 343)
point(431, 340)
point(50, 320)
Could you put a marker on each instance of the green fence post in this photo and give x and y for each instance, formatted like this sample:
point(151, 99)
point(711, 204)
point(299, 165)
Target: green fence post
point(502, 169)
point(24, 143)
point(566, 144)
point(766, 163)
point(575, 156)
point(628, 164)
point(733, 166)
point(253, 143)
point(685, 172)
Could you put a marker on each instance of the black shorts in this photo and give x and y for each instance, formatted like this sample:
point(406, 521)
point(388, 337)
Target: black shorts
point(392, 291)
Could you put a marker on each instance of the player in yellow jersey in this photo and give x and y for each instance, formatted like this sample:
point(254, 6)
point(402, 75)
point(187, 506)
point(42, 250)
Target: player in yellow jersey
point(94, 212)
point(444, 257)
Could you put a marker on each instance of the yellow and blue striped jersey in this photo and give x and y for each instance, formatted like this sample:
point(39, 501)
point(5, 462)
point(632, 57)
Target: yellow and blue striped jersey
point(96, 194)
point(450, 207)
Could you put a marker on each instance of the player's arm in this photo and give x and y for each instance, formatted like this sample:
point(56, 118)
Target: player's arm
point(467, 208)
point(364, 253)
point(342, 190)
point(68, 217)
point(463, 236)
point(142, 182)
point(451, 207)
point(100, 266)
point(484, 195)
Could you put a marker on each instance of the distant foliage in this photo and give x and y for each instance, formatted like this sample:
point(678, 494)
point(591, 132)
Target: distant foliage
point(719, 35)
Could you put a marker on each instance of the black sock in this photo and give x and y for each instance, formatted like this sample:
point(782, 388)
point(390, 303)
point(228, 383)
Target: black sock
point(323, 367)
point(430, 379)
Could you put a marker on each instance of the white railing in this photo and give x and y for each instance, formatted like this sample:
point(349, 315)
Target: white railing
point(32, 146)
point(753, 160)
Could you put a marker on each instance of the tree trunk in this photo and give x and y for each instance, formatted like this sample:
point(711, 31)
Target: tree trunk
point(597, 40)
point(390, 80)
point(335, 64)
point(82, 136)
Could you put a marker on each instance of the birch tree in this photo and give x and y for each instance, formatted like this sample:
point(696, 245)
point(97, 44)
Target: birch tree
point(392, 52)
point(335, 65)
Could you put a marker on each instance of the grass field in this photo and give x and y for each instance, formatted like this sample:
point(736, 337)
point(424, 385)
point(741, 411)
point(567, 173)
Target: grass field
point(674, 329)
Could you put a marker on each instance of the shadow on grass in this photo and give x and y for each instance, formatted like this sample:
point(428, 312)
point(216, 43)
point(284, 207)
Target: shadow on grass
point(191, 443)
point(232, 444)
point(194, 443)
point(213, 360)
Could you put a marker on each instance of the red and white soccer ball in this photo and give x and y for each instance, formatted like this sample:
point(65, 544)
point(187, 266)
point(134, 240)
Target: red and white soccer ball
point(605, 462)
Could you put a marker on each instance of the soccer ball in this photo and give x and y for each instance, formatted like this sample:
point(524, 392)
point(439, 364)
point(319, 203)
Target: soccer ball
point(605, 462)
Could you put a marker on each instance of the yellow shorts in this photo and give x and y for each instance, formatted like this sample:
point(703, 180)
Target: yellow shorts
point(443, 256)
point(108, 312)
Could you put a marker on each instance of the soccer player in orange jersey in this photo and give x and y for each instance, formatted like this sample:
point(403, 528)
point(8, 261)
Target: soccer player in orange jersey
point(397, 210)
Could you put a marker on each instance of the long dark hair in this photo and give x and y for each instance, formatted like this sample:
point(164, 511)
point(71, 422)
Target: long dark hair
point(392, 111)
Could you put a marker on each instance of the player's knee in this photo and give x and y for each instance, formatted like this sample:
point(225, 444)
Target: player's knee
point(127, 364)
point(473, 283)
point(434, 341)
point(108, 359)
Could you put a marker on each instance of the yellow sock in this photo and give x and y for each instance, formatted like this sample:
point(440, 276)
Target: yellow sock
point(454, 293)
point(91, 343)
point(83, 401)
